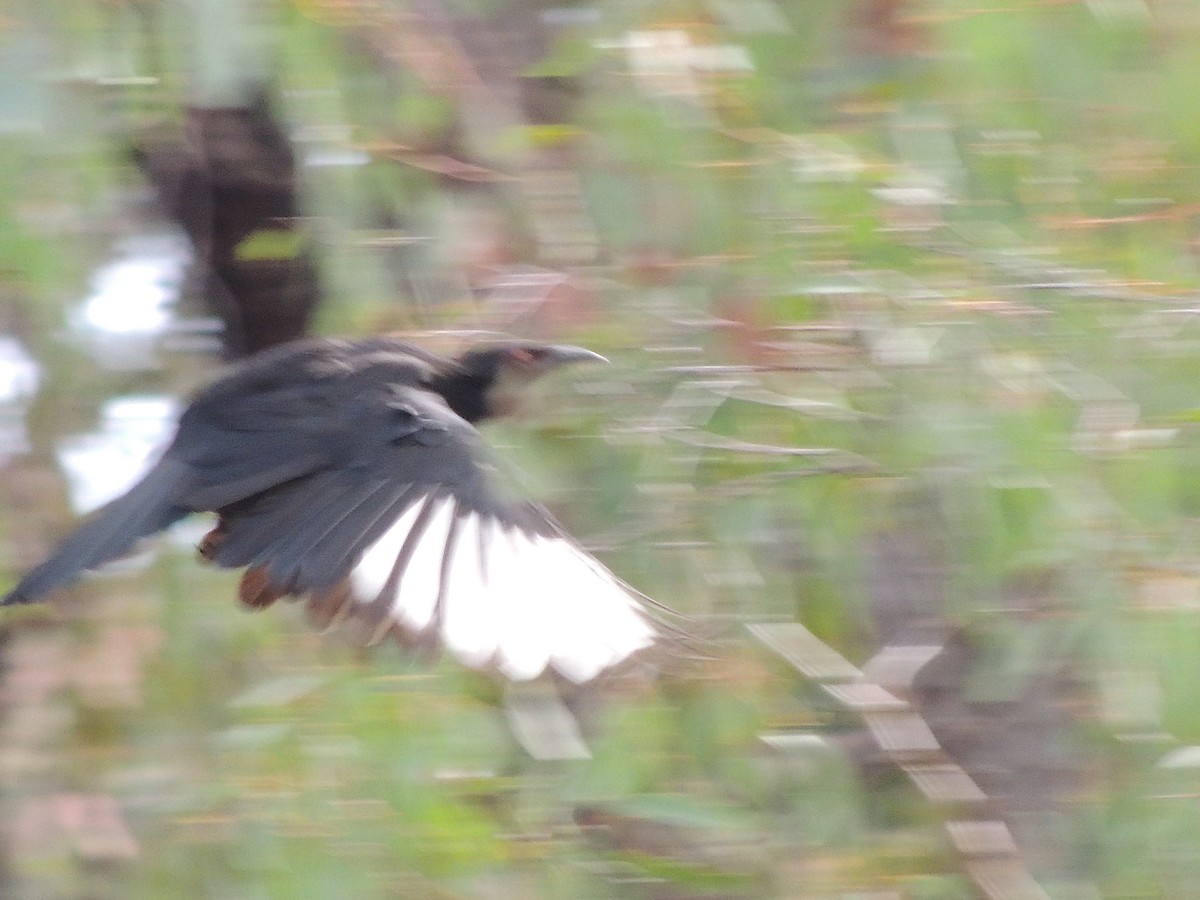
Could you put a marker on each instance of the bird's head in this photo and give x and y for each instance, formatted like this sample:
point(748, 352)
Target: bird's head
point(499, 375)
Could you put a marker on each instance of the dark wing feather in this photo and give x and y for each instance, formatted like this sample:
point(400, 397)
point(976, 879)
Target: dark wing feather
point(308, 532)
point(291, 412)
point(264, 520)
point(340, 548)
point(413, 521)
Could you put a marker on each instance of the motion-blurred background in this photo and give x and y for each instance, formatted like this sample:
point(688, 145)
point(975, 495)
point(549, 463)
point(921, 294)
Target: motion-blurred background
point(902, 304)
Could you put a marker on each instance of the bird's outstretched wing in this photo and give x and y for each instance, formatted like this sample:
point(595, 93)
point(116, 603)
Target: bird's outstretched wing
point(339, 476)
point(410, 532)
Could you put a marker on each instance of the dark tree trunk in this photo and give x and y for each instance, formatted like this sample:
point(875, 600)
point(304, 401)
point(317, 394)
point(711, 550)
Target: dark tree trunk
point(229, 180)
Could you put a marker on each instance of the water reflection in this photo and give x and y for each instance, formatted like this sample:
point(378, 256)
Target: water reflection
point(20, 376)
point(131, 304)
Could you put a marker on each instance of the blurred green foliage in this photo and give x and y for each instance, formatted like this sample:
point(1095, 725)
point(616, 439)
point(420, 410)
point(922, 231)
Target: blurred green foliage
point(901, 298)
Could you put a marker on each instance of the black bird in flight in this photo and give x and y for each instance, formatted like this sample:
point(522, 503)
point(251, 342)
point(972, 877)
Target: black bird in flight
point(351, 472)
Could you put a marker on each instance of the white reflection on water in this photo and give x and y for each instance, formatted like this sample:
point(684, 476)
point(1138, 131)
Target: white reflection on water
point(130, 306)
point(20, 376)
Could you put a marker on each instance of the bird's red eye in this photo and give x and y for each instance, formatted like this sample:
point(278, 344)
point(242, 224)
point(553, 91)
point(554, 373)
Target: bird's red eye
point(525, 356)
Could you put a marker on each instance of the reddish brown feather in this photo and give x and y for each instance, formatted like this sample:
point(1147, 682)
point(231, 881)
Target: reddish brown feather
point(211, 542)
point(256, 590)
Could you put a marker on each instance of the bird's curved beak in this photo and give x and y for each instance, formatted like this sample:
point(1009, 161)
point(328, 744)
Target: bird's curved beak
point(566, 355)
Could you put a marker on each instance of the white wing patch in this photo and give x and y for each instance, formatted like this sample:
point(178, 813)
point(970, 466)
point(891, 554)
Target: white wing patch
point(522, 601)
point(416, 587)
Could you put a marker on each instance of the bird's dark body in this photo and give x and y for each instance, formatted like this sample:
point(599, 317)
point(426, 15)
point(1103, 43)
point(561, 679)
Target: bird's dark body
point(309, 454)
